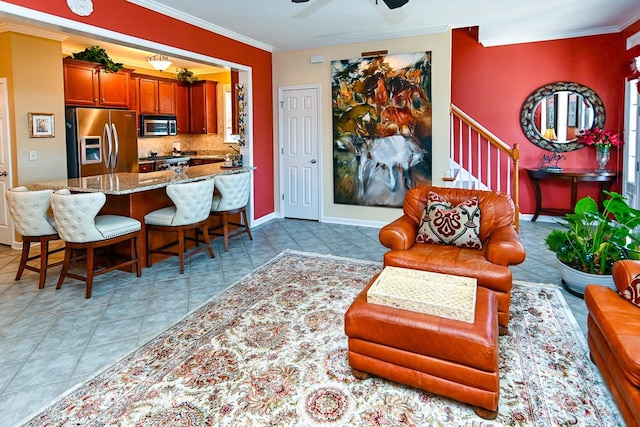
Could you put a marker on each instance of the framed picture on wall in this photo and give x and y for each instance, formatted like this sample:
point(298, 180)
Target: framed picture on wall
point(41, 125)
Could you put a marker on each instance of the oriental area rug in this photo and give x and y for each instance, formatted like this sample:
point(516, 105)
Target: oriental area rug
point(271, 351)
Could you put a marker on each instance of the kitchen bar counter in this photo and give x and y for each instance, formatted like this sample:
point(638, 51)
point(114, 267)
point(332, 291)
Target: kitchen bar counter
point(136, 194)
point(126, 183)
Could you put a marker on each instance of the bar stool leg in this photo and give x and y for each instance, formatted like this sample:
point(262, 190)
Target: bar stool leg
point(181, 249)
point(90, 267)
point(26, 247)
point(134, 255)
point(225, 230)
point(207, 239)
point(44, 261)
point(65, 266)
point(246, 223)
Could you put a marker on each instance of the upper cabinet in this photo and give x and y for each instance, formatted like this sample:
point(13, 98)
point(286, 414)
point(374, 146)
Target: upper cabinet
point(203, 107)
point(156, 96)
point(87, 84)
point(182, 107)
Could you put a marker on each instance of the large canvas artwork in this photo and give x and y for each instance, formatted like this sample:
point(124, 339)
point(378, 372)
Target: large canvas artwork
point(381, 128)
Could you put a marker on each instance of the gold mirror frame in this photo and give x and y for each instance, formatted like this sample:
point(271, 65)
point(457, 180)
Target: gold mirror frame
point(528, 108)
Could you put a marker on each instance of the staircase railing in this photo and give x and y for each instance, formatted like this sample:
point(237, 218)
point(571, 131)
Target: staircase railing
point(481, 159)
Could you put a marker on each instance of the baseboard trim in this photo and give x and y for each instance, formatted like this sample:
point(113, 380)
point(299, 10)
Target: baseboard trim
point(356, 222)
point(541, 218)
point(263, 219)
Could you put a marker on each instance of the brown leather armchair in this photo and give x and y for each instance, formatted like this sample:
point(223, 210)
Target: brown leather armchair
point(614, 339)
point(501, 246)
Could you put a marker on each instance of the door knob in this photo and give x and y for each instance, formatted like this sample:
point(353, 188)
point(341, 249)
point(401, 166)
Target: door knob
point(3, 173)
point(313, 160)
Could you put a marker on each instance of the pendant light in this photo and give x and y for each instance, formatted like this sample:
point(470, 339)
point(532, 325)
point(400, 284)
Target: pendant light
point(159, 62)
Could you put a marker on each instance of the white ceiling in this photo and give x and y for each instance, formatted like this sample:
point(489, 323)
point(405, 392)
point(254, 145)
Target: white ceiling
point(284, 25)
point(279, 25)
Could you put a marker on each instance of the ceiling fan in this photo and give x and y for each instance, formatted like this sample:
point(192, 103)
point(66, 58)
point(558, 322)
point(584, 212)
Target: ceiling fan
point(391, 4)
point(391, 16)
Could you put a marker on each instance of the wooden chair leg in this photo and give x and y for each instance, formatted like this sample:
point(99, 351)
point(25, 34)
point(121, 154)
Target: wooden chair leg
point(44, 261)
point(207, 239)
point(181, 249)
point(65, 267)
point(246, 223)
point(90, 267)
point(134, 255)
point(225, 230)
point(26, 247)
point(148, 248)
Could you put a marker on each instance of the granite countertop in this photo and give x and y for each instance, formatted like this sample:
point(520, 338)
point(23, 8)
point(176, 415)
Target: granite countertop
point(126, 182)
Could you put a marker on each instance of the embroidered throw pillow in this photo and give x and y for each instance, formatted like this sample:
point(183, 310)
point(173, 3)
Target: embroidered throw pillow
point(632, 292)
point(444, 224)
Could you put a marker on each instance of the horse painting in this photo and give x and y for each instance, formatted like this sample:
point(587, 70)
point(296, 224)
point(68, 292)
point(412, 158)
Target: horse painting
point(381, 128)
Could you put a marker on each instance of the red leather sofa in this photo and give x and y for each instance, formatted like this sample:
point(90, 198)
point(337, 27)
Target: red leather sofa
point(501, 245)
point(614, 339)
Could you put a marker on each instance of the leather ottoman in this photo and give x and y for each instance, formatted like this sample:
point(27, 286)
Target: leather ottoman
point(448, 357)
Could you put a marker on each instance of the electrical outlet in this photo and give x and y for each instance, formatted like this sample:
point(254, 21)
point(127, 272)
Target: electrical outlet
point(33, 155)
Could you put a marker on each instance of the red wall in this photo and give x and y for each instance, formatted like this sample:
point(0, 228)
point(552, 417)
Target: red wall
point(126, 18)
point(491, 84)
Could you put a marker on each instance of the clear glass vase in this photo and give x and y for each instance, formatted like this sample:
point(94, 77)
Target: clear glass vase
point(602, 157)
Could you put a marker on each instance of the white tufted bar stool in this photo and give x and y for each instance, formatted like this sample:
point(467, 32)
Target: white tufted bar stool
point(84, 231)
point(234, 192)
point(190, 211)
point(30, 214)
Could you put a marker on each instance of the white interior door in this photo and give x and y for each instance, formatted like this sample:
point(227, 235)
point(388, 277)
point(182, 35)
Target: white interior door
point(631, 169)
point(299, 149)
point(6, 226)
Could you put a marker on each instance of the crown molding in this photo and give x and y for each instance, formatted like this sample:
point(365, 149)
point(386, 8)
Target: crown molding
point(31, 31)
point(493, 41)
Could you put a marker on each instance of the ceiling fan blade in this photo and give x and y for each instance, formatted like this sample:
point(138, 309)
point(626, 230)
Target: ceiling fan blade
point(394, 4)
point(391, 16)
point(312, 8)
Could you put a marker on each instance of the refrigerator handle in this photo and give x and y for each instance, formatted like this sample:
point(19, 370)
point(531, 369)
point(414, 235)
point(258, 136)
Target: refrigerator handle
point(116, 143)
point(106, 137)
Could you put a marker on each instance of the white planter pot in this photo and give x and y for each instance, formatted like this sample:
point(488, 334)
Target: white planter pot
point(577, 280)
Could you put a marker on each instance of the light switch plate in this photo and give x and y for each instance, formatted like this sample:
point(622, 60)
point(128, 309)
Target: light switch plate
point(33, 155)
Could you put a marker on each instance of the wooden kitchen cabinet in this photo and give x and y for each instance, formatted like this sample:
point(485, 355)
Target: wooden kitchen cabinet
point(88, 84)
point(156, 96)
point(203, 107)
point(182, 107)
point(197, 162)
point(145, 167)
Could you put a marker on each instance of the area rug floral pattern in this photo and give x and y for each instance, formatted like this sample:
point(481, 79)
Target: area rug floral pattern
point(271, 351)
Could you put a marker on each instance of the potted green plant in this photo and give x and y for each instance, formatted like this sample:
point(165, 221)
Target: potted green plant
point(186, 76)
point(99, 55)
point(592, 240)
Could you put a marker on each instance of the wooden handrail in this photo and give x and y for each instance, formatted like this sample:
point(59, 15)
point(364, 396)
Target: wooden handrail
point(512, 152)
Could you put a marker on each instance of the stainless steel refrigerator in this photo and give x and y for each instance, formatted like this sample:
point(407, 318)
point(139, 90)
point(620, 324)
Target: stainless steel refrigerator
point(101, 141)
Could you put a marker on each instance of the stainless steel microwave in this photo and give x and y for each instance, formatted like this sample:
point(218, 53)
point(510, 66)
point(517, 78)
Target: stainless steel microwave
point(158, 125)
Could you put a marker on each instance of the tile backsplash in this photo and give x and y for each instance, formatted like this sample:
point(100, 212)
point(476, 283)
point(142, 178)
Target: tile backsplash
point(164, 144)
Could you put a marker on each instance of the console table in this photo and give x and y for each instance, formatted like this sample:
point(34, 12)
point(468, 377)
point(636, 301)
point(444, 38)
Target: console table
point(575, 176)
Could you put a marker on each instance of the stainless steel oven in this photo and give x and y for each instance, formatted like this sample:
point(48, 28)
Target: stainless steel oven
point(158, 125)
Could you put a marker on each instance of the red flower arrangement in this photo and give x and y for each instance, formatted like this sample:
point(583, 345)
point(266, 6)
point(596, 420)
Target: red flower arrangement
point(599, 138)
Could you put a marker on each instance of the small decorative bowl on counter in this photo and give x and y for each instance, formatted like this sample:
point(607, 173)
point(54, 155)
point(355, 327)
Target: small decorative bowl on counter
point(232, 160)
point(179, 169)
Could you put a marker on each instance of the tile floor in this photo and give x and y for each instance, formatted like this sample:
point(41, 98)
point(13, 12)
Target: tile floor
point(52, 340)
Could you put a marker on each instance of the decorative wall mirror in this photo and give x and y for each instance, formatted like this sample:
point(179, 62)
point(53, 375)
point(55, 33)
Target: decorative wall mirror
point(553, 115)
